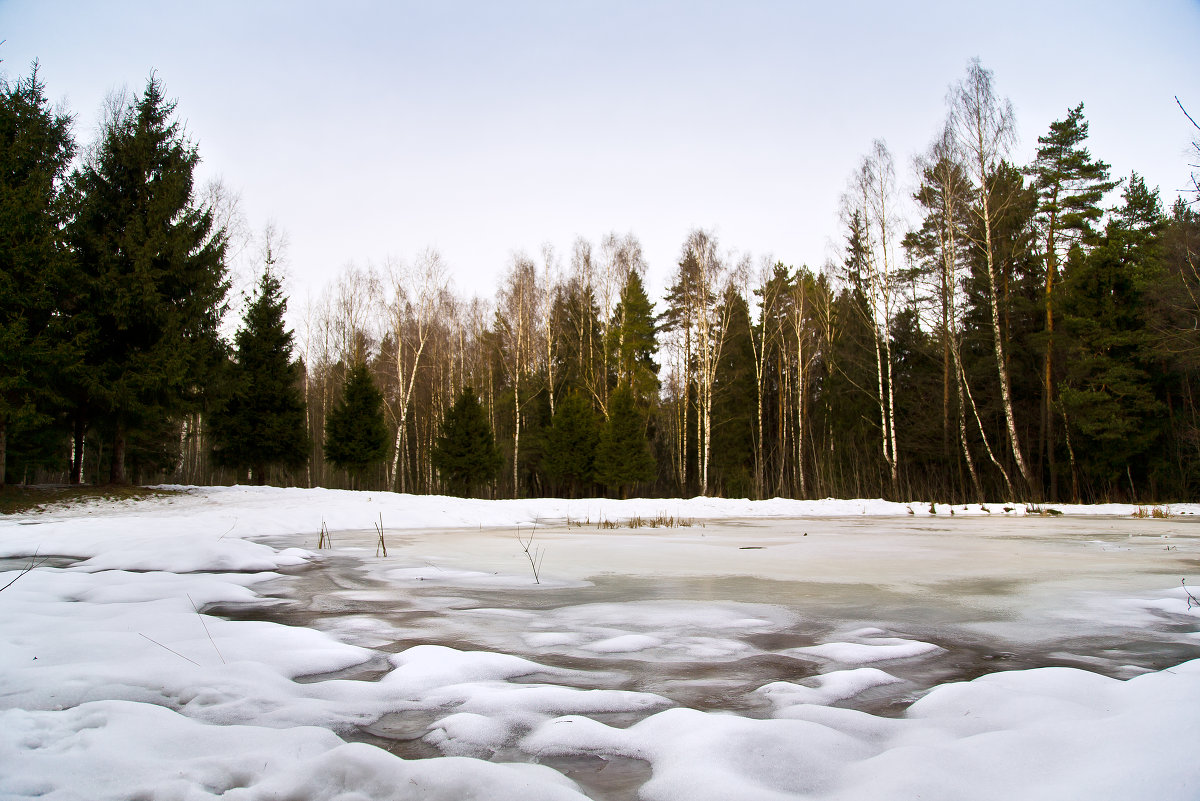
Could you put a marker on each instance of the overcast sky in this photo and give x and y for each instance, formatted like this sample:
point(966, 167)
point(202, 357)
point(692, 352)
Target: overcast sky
point(370, 129)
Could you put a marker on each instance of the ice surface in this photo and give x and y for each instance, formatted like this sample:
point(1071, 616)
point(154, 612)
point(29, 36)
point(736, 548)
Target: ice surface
point(189, 650)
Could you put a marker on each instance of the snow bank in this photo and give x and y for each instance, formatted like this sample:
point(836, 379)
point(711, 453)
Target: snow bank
point(1038, 734)
point(120, 750)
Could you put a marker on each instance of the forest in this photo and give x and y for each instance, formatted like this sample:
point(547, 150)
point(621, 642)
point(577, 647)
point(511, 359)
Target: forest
point(1032, 334)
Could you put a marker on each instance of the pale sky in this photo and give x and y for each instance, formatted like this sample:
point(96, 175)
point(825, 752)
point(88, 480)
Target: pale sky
point(370, 129)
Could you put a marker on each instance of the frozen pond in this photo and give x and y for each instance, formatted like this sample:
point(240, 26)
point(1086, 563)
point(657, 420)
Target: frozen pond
point(200, 645)
point(707, 615)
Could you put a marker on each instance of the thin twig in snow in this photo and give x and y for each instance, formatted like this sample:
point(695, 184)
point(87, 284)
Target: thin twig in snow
point(172, 650)
point(34, 562)
point(381, 544)
point(534, 557)
point(206, 631)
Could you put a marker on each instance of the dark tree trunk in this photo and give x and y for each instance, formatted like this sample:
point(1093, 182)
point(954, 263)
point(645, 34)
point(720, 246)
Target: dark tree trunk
point(117, 474)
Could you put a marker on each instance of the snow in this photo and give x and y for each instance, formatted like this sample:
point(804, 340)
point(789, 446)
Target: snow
point(879, 649)
point(830, 688)
point(119, 678)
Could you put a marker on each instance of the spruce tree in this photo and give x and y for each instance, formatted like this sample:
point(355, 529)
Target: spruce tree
point(623, 457)
point(734, 404)
point(152, 283)
point(633, 340)
point(262, 424)
point(35, 149)
point(1108, 394)
point(570, 445)
point(465, 454)
point(356, 437)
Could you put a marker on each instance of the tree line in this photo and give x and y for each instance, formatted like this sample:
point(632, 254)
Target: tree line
point(1031, 333)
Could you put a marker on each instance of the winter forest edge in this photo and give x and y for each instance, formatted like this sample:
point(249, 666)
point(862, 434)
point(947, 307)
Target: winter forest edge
point(1031, 336)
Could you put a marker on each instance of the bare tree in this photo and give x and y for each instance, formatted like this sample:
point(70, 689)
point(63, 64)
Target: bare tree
point(415, 306)
point(804, 355)
point(550, 322)
point(703, 281)
point(872, 195)
point(945, 193)
point(517, 313)
point(983, 131)
point(764, 341)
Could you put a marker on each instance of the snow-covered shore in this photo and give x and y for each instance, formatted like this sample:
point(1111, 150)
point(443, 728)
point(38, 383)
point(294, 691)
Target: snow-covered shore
point(113, 685)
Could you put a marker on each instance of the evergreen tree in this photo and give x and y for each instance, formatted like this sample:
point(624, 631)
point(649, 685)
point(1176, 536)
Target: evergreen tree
point(734, 405)
point(1070, 185)
point(1108, 394)
point(465, 454)
point(570, 445)
point(356, 436)
point(633, 336)
point(35, 149)
point(262, 424)
point(152, 286)
point(1172, 316)
point(918, 381)
point(623, 457)
point(847, 409)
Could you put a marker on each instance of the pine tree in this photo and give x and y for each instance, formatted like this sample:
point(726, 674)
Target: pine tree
point(35, 149)
point(152, 286)
point(465, 454)
point(262, 424)
point(1070, 185)
point(623, 457)
point(356, 437)
point(570, 445)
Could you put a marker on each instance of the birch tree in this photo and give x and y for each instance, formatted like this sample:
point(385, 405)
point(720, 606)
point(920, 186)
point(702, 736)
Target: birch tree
point(417, 294)
point(517, 313)
point(551, 321)
point(696, 308)
point(945, 194)
point(872, 196)
point(982, 127)
point(772, 283)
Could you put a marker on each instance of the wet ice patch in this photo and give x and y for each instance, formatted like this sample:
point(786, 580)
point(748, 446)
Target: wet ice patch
point(626, 643)
point(550, 639)
point(678, 616)
point(667, 630)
